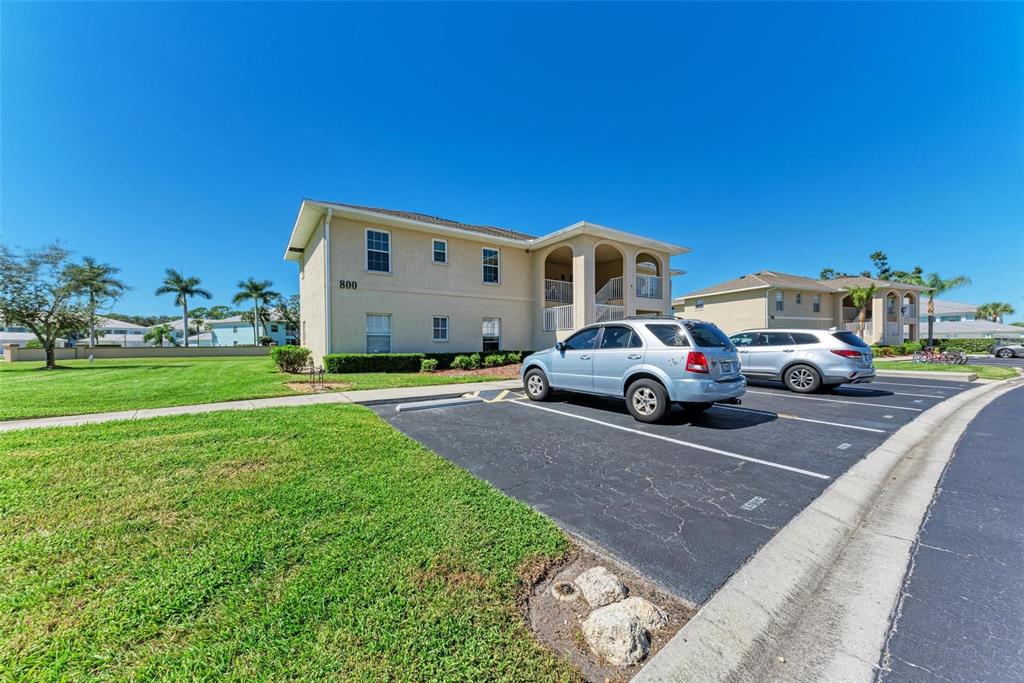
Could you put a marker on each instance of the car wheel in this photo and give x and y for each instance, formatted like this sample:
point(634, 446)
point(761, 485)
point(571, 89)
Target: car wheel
point(697, 407)
point(802, 379)
point(1005, 353)
point(536, 385)
point(647, 400)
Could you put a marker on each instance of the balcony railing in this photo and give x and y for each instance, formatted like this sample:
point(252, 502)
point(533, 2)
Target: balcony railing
point(606, 313)
point(610, 291)
point(648, 286)
point(558, 290)
point(559, 318)
point(855, 328)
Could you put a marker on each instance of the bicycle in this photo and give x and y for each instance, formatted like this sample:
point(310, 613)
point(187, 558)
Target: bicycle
point(931, 354)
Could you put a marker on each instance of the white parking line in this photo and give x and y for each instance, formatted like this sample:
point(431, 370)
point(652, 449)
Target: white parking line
point(802, 419)
point(836, 400)
point(898, 393)
point(680, 442)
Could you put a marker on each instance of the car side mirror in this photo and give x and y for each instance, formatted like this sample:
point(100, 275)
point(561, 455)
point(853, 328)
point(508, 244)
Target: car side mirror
point(559, 346)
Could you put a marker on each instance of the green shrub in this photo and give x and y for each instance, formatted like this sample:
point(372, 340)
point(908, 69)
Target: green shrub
point(372, 362)
point(968, 345)
point(474, 360)
point(290, 358)
point(515, 357)
point(883, 351)
point(428, 365)
point(494, 360)
point(33, 344)
point(462, 362)
point(445, 360)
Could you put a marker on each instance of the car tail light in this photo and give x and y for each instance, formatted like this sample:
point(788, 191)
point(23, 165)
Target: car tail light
point(696, 362)
point(846, 353)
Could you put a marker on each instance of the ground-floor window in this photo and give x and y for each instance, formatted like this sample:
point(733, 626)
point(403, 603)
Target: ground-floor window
point(440, 328)
point(378, 333)
point(491, 334)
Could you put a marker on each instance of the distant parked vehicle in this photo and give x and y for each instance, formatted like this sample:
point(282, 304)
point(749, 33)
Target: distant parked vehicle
point(804, 360)
point(651, 362)
point(1009, 350)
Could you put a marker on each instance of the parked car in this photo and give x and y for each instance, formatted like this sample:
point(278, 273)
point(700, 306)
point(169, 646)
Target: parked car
point(805, 360)
point(1008, 350)
point(651, 362)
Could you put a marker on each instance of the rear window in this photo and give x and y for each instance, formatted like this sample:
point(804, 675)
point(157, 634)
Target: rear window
point(669, 335)
point(707, 335)
point(849, 338)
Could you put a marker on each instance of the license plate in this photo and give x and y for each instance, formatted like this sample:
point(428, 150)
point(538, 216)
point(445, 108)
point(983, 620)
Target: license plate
point(726, 366)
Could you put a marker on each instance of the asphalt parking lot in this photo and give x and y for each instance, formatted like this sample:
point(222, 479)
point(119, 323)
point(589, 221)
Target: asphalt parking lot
point(689, 501)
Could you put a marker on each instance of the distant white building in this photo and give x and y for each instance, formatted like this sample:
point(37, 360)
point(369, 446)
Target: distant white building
point(21, 336)
point(955, 320)
point(110, 331)
point(949, 311)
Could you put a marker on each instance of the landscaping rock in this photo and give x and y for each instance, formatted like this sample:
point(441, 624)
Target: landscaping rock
point(616, 635)
point(600, 587)
point(650, 615)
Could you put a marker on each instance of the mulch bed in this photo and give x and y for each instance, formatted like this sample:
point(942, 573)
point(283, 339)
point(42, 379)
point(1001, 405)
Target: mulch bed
point(504, 372)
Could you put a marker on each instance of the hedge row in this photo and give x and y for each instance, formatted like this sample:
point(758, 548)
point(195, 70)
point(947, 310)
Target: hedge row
point(393, 362)
point(968, 345)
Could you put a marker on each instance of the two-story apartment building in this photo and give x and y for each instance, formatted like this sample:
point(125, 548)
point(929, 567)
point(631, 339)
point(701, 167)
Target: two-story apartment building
point(767, 299)
point(380, 280)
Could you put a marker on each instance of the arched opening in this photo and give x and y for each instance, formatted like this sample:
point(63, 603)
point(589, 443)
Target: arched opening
point(911, 317)
point(893, 332)
point(649, 280)
point(609, 267)
point(559, 313)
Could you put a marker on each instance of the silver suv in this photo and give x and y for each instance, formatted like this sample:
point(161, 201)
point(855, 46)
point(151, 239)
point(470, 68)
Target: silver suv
point(651, 362)
point(805, 360)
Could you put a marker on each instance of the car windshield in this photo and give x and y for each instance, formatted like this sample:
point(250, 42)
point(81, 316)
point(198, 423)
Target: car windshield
point(849, 338)
point(708, 335)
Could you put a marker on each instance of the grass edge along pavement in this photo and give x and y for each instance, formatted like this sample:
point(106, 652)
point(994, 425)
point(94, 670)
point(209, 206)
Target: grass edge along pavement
point(110, 385)
point(982, 371)
point(285, 543)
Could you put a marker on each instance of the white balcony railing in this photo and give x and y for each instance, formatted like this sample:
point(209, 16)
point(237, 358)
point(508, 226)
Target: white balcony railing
point(559, 318)
point(558, 290)
point(855, 328)
point(909, 312)
point(648, 286)
point(606, 313)
point(611, 290)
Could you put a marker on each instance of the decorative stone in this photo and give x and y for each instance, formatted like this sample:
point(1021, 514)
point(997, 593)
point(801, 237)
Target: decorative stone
point(600, 587)
point(616, 635)
point(650, 615)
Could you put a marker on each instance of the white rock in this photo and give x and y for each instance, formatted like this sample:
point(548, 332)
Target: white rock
point(600, 587)
point(650, 615)
point(616, 635)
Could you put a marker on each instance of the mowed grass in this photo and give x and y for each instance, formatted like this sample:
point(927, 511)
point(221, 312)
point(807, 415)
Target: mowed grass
point(983, 371)
point(312, 543)
point(27, 390)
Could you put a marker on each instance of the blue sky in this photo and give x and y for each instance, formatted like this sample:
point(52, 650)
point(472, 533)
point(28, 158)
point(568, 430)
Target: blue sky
point(787, 137)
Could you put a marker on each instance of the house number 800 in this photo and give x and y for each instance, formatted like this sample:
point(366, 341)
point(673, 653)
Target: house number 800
point(348, 284)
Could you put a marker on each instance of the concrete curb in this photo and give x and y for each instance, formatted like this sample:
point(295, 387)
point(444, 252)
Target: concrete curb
point(437, 403)
point(814, 603)
point(925, 374)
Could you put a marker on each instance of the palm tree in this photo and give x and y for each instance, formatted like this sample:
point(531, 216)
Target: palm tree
point(933, 286)
point(159, 334)
point(994, 311)
point(259, 292)
point(97, 282)
point(182, 288)
point(861, 297)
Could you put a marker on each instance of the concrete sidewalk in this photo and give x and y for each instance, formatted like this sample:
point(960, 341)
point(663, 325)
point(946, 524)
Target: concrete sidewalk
point(367, 397)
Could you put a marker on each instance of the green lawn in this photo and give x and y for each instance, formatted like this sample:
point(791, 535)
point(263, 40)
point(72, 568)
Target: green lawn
point(983, 371)
point(312, 543)
point(132, 383)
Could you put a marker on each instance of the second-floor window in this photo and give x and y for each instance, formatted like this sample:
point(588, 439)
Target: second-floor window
point(799, 298)
point(440, 252)
point(816, 303)
point(779, 305)
point(700, 304)
point(378, 251)
point(491, 266)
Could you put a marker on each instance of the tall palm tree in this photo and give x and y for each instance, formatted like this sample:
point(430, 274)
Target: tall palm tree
point(994, 311)
point(934, 285)
point(159, 334)
point(259, 292)
point(861, 297)
point(100, 286)
point(182, 288)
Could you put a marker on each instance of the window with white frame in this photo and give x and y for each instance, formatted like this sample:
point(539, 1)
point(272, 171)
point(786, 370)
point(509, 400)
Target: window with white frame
point(491, 334)
point(491, 266)
point(378, 333)
point(700, 304)
point(440, 328)
point(779, 304)
point(816, 303)
point(439, 249)
point(378, 251)
point(799, 298)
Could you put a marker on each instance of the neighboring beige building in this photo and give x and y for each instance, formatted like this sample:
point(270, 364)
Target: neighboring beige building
point(770, 299)
point(379, 280)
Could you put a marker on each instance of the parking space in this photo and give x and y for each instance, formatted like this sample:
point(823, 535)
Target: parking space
point(686, 501)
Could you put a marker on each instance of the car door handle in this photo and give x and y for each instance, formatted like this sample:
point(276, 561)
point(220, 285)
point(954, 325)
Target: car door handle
point(585, 356)
point(634, 356)
point(788, 350)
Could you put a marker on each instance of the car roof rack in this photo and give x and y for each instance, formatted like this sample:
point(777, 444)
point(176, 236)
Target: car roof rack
point(650, 317)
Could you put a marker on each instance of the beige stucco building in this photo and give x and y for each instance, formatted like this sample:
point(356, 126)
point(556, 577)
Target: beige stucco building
point(379, 280)
point(769, 299)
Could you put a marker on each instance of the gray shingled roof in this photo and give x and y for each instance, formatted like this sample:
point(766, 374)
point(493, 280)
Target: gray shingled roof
point(861, 281)
point(767, 278)
point(424, 218)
